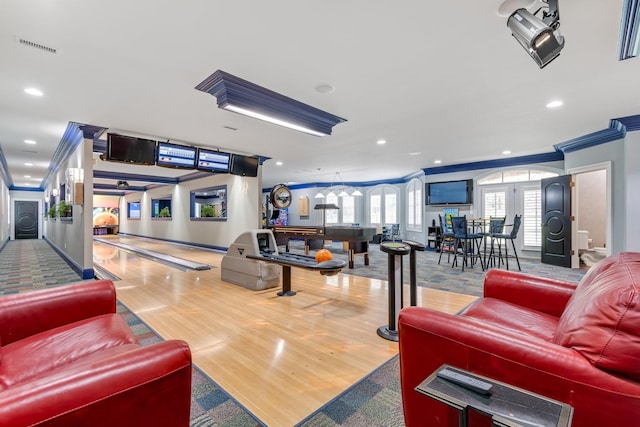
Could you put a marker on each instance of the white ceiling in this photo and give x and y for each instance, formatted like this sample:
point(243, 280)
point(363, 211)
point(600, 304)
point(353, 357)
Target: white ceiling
point(443, 79)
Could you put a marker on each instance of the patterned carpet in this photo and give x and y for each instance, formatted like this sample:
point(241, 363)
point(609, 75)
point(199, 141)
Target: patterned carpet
point(432, 275)
point(32, 264)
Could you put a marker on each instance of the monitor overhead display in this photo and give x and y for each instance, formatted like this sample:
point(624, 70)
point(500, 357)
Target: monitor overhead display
point(450, 192)
point(214, 161)
point(129, 149)
point(244, 165)
point(176, 156)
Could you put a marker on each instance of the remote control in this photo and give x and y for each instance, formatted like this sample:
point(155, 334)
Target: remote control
point(465, 381)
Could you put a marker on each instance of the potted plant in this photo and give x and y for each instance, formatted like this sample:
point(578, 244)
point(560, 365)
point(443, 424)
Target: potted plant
point(64, 209)
point(51, 212)
point(207, 211)
point(164, 213)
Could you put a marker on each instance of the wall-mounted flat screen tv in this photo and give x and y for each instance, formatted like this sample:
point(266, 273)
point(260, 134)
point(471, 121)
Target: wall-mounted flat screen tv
point(450, 192)
point(244, 165)
point(214, 161)
point(176, 156)
point(129, 149)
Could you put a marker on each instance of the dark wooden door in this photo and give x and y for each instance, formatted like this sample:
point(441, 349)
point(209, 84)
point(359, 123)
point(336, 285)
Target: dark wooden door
point(26, 220)
point(556, 221)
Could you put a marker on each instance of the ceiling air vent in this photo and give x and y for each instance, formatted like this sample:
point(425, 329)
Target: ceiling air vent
point(36, 45)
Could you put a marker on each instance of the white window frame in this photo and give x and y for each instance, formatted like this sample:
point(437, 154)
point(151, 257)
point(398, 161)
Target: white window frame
point(383, 191)
point(414, 205)
point(531, 221)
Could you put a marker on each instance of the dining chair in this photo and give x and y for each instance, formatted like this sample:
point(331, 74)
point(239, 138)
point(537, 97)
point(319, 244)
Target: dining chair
point(511, 236)
point(469, 242)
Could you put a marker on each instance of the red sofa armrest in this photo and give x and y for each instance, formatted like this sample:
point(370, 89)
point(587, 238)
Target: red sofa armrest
point(429, 339)
point(537, 293)
point(129, 386)
point(26, 314)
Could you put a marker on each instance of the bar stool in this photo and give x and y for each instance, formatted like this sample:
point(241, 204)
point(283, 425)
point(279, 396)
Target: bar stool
point(470, 242)
point(517, 220)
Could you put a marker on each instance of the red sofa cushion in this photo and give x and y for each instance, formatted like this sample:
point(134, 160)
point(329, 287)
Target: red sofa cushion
point(514, 317)
point(602, 318)
point(46, 351)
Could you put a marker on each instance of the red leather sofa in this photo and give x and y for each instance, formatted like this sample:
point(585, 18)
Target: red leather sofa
point(68, 359)
point(575, 343)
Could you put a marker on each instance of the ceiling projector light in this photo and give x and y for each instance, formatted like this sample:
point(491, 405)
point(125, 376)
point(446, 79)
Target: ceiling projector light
point(122, 185)
point(537, 36)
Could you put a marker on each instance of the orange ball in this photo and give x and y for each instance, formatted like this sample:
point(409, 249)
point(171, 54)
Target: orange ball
point(323, 255)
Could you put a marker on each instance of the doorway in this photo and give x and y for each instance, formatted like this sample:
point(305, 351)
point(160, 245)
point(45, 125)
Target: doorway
point(591, 207)
point(26, 219)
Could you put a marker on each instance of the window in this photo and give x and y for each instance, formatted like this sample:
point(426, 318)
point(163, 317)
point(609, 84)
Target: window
point(346, 214)
point(161, 207)
point(383, 205)
point(133, 210)
point(390, 208)
point(348, 210)
point(331, 215)
point(532, 217)
point(495, 203)
point(414, 205)
point(209, 204)
point(375, 208)
point(517, 175)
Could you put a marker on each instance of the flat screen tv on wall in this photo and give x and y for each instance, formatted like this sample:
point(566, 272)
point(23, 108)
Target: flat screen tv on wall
point(213, 161)
point(129, 149)
point(176, 156)
point(450, 192)
point(244, 165)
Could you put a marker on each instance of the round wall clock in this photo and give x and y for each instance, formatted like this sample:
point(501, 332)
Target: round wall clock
point(280, 196)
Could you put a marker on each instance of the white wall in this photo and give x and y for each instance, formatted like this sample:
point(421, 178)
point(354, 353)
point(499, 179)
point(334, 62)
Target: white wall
point(243, 212)
point(632, 178)
point(74, 238)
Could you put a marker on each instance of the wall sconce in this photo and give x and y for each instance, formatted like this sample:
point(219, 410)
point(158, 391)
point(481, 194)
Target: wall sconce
point(54, 192)
point(241, 96)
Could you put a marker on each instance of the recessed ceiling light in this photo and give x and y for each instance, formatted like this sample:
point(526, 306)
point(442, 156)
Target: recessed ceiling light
point(325, 88)
point(29, 141)
point(278, 163)
point(28, 164)
point(33, 91)
point(437, 162)
point(27, 176)
point(415, 153)
point(554, 104)
point(506, 152)
point(381, 142)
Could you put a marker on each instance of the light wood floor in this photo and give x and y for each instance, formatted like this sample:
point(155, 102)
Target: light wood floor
point(280, 357)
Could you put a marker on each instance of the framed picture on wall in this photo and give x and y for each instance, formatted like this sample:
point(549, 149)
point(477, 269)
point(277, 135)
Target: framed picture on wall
point(448, 213)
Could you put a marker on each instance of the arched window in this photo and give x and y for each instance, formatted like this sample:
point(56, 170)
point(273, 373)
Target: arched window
point(383, 205)
point(414, 205)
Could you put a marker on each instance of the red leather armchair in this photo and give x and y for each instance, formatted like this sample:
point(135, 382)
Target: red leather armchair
point(67, 358)
point(576, 344)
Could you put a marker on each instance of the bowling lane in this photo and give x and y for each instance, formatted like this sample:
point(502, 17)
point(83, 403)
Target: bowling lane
point(190, 253)
point(122, 263)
